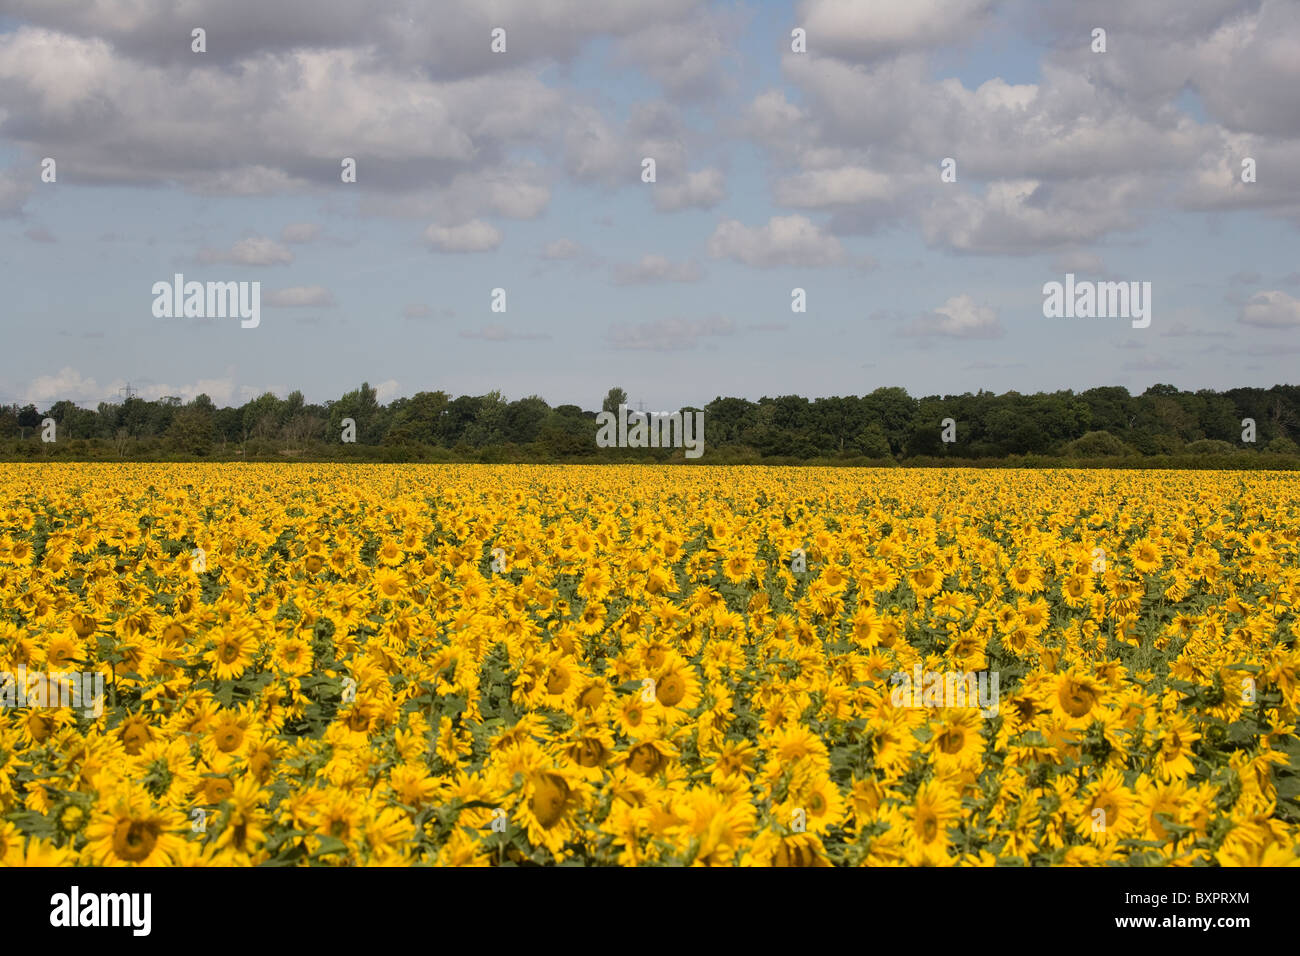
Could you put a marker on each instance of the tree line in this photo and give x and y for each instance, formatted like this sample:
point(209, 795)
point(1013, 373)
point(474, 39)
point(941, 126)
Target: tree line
point(1163, 425)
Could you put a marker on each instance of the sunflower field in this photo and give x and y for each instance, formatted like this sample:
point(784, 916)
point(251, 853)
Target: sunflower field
point(349, 665)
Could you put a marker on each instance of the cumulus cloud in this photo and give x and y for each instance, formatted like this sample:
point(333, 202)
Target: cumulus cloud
point(222, 391)
point(473, 236)
point(67, 384)
point(561, 249)
point(1271, 310)
point(702, 189)
point(668, 335)
point(864, 31)
point(422, 310)
point(1077, 261)
point(14, 191)
point(499, 333)
point(960, 317)
point(294, 114)
point(1022, 217)
point(783, 241)
point(300, 297)
point(406, 34)
point(818, 188)
point(300, 232)
point(688, 58)
point(656, 268)
point(1094, 147)
point(1151, 363)
point(255, 251)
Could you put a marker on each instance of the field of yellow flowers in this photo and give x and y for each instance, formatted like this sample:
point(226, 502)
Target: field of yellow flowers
point(485, 665)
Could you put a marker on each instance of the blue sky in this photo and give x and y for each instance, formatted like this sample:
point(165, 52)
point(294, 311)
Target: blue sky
point(522, 171)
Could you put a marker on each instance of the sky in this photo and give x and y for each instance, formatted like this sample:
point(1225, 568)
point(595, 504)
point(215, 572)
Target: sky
point(522, 170)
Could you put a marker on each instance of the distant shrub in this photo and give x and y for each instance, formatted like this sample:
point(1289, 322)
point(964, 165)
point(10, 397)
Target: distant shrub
point(1098, 444)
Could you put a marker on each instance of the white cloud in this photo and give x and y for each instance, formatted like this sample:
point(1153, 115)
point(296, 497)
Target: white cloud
point(68, 384)
point(1271, 309)
point(702, 189)
point(499, 333)
point(298, 232)
point(14, 191)
point(828, 187)
point(689, 58)
point(1025, 216)
point(256, 251)
point(220, 390)
point(857, 30)
point(960, 318)
point(593, 151)
point(300, 296)
point(667, 335)
point(561, 249)
point(784, 240)
point(1087, 263)
point(473, 236)
point(656, 268)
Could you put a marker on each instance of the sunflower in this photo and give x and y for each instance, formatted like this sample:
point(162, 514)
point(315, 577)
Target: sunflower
point(957, 743)
point(550, 801)
point(338, 816)
point(389, 584)
point(228, 732)
point(215, 788)
point(32, 852)
point(1025, 578)
point(1175, 736)
point(390, 553)
point(1076, 590)
point(925, 581)
point(166, 770)
point(592, 692)
point(820, 802)
point(773, 848)
point(1104, 816)
point(232, 653)
point(133, 832)
point(634, 717)
point(1146, 556)
point(738, 567)
point(934, 810)
point(413, 784)
point(1159, 804)
point(592, 620)
point(650, 757)
point(591, 748)
point(595, 583)
point(293, 657)
point(39, 724)
point(716, 824)
point(677, 688)
point(559, 683)
point(62, 651)
point(1075, 696)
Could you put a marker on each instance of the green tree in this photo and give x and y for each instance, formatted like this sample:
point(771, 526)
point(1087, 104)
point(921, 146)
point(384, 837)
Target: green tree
point(362, 406)
point(613, 398)
point(191, 430)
